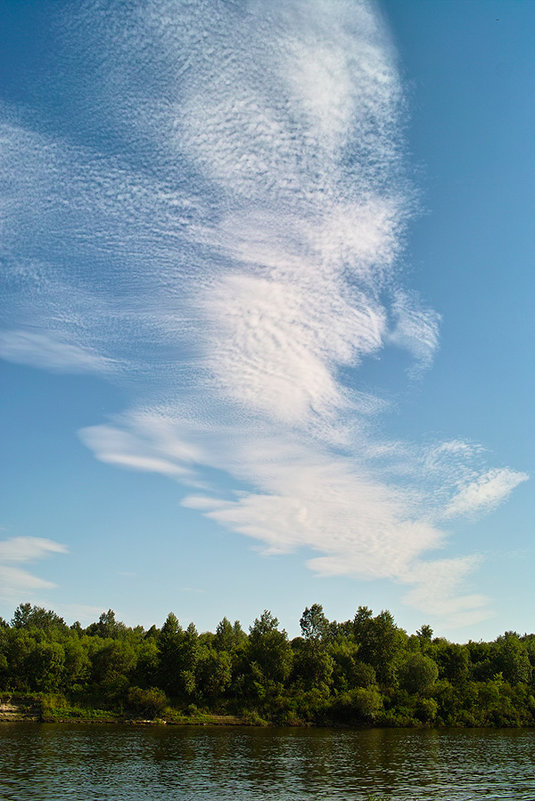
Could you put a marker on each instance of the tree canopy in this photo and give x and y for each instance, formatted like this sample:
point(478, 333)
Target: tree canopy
point(362, 671)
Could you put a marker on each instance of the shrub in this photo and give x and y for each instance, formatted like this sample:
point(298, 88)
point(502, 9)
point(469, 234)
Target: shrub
point(148, 703)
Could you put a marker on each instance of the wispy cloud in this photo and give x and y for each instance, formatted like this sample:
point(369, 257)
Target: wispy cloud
point(485, 493)
point(415, 329)
point(219, 227)
point(119, 447)
point(16, 582)
point(43, 350)
point(437, 589)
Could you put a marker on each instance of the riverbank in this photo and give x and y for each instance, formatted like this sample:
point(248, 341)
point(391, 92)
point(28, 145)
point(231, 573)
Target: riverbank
point(53, 708)
point(44, 708)
point(17, 708)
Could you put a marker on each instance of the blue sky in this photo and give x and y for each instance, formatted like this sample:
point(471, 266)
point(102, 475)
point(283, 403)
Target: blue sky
point(267, 310)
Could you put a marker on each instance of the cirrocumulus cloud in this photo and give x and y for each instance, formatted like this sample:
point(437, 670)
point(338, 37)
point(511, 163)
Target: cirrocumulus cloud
point(218, 224)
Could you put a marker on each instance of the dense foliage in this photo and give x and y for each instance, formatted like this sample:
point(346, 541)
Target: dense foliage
point(364, 671)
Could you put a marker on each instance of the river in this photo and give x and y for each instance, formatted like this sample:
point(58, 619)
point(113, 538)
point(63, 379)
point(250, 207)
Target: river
point(51, 762)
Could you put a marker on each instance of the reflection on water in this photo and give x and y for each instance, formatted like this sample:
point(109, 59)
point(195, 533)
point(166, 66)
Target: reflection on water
point(49, 762)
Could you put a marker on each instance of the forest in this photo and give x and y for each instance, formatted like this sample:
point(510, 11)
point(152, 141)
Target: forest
point(365, 671)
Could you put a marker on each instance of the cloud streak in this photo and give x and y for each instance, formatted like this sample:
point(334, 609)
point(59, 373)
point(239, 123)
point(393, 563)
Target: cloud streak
point(219, 228)
point(16, 581)
point(42, 350)
point(485, 493)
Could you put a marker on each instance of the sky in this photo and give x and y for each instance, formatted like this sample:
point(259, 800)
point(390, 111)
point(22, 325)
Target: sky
point(266, 330)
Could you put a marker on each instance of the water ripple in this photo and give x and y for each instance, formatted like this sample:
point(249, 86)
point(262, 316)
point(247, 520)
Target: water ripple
point(113, 763)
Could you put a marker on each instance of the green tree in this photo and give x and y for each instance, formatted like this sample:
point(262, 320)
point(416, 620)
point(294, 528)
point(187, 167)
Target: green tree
point(188, 660)
point(314, 625)
point(425, 633)
point(19, 646)
point(269, 648)
point(312, 666)
point(113, 659)
point(27, 616)
point(482, 660)
point(169, 643)
point(229, 637)
point(149, 703)
point(358, 706)
point(214, 673)
point(77, 667)
point(350, 671)
point(178, 654)
point(511, 658)
point(453, 661)
point(146, 671)
point(107, 626)
point(418, 673)
point(380, 642)
point(45, 666)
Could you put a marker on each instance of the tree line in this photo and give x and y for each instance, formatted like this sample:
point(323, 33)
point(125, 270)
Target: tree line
point(363, 671)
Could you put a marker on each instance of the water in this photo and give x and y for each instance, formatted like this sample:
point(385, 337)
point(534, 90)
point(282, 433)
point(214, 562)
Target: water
point(48, 762)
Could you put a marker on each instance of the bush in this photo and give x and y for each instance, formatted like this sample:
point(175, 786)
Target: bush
point(426, 709)
point(419, 673)
point(358, 706)
point(148, 703)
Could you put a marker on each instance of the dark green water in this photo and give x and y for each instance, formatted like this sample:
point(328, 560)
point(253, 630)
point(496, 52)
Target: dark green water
point(51, 762)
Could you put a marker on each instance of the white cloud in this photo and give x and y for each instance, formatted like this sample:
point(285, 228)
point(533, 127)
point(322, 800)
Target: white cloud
point(15, 581)
point(47, 352)
point(273, 345)
point(437, 591)
point(485, 493)
point(415, 329)
point(114, 446)
point(145, 442)
point(84, 613)
point(27, 549)
point(236, 263)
